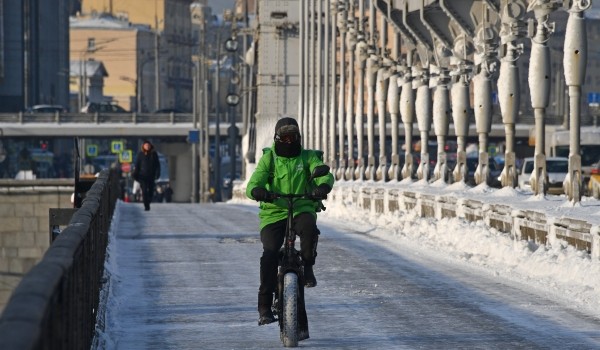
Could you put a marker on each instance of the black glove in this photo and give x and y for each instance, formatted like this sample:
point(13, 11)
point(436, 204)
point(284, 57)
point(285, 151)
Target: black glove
point(261, 195)
point(321, 191)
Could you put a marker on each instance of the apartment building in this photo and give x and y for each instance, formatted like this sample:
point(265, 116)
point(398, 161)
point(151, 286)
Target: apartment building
point(169, 21)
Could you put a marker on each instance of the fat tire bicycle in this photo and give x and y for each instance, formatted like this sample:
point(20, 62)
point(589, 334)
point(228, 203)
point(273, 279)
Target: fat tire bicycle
point(288, 303)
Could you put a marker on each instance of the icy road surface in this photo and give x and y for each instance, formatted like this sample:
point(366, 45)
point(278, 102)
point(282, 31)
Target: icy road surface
point(185, 276)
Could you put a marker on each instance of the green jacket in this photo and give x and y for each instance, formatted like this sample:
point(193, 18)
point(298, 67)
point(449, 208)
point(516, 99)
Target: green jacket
point(289, 176)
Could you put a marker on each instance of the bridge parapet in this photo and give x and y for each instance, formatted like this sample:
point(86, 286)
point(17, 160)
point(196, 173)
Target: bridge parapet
point(96, 118)
point(55, 304)
point(550, 220)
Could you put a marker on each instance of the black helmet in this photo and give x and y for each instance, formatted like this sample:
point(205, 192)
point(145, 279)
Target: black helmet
point(286, 130)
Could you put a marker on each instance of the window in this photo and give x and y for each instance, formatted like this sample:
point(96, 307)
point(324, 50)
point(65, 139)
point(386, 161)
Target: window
point(91, 44)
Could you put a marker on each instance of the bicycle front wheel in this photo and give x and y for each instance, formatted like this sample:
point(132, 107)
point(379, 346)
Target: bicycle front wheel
point(289, 329)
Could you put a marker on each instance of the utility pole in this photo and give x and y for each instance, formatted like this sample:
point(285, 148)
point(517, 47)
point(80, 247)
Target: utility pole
point(217, 165)
point(156, 64)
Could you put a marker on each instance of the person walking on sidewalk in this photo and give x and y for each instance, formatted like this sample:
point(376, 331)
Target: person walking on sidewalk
point(147, 171)
point(285, 168)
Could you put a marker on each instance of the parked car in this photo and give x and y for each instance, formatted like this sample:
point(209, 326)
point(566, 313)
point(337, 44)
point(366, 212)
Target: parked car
point(495, 171)
point(103, 107)
point(556, 169)
point(168, 110)
point(46, 109)
point(106, 161)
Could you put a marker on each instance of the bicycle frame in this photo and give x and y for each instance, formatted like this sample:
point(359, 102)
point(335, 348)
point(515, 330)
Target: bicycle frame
point(291, 261)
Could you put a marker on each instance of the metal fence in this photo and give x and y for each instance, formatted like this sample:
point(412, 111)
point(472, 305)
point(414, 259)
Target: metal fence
point(55, 304)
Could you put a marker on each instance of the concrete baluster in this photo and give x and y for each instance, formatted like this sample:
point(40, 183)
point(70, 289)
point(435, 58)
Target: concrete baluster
point(512, 28)
point(486, 63)
point(539, 85)
point(575, 61)
point(351, 41)
point(342, 26)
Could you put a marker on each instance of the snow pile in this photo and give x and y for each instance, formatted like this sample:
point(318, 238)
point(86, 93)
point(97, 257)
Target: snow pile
point(561, 271)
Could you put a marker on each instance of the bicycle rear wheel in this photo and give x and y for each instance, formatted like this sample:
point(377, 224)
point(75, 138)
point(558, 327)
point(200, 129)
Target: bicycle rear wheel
point(289, 329)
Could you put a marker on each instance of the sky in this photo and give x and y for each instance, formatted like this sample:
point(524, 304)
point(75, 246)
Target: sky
point(559, 269)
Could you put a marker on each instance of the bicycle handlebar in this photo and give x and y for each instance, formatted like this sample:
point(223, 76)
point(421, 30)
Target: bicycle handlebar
point(296, 196)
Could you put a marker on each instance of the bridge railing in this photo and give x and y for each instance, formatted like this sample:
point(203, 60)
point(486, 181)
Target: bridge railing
point(55, 304)
point(96, 118)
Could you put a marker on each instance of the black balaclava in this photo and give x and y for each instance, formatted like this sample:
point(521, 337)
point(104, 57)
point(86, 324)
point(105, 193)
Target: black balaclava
point(287, 126)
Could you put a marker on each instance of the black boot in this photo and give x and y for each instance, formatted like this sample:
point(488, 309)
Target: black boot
point(265, 314)
point(309, 277)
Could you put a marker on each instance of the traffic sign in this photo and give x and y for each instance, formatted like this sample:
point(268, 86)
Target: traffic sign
point(126, 167)
point(194, 136)
point(593, 98)
point(91, 150)
point(126, 156)
point(116, 146)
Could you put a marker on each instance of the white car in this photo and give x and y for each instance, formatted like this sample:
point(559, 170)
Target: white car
point(556, 168)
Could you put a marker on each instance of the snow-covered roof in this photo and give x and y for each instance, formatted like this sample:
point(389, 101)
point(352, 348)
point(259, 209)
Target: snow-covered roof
point(105, 22)
point(92, 68)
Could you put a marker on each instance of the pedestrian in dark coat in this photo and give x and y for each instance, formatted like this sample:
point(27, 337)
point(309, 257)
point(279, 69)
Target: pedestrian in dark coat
point(147, 171)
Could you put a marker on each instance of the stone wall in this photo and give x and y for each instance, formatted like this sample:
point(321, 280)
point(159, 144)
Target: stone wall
point(24, 226)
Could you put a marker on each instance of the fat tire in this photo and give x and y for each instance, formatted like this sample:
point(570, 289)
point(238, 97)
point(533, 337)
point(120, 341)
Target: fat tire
point(289, 329)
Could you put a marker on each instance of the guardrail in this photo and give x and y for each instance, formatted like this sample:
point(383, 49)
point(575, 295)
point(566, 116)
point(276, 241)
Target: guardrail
point(97, 118)
point(55, 304)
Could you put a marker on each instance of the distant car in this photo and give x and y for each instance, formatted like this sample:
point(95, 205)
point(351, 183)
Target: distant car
point(46, 109)
point(227, 179)
point(103, 107)
point(556, 168)
point(495, 171)
point(168, 110)
point(106, 161)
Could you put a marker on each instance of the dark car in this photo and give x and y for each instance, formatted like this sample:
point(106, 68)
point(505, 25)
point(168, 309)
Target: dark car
point(495, 171)
point(46, 109)
point(168, 110)
point(103, 107)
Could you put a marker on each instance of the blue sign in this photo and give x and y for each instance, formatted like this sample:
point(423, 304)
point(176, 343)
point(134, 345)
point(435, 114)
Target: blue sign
point(91, 150)
point(593, 98)
point(194, 136)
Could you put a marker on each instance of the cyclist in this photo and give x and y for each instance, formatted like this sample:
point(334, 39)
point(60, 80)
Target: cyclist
point(285, 168)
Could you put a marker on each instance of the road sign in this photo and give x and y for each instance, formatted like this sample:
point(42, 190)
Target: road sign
point(593, 98)
point(116, 146)
point(126, 167)
point(126, 156)
point(91, 150)
point(194, 136)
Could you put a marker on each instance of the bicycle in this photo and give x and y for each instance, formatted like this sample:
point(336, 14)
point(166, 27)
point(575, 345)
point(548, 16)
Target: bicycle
point(288, 302)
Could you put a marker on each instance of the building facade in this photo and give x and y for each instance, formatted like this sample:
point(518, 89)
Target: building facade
point(170, 21)
point(34, 53)
point(127, 53)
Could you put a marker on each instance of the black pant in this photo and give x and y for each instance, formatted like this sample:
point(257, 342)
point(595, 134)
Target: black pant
point(272, 237)
point(147, 191)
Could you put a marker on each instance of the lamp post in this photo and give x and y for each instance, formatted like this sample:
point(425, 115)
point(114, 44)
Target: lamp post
point(233, 99)
point(217, 165)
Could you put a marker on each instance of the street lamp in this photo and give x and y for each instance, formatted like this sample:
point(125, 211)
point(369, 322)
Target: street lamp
point(231, 45)
point(233, 99)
